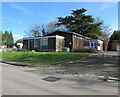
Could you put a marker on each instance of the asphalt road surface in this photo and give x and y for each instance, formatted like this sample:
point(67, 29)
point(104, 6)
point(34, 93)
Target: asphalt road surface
point(16, 81)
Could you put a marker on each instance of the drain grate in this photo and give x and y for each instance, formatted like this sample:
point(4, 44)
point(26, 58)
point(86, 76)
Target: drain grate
point(51, 79)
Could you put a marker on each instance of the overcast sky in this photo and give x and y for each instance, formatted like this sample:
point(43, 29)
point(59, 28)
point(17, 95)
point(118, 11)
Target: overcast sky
point(18, 17)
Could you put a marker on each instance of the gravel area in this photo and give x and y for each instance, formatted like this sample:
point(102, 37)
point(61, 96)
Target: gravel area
point(93, 67)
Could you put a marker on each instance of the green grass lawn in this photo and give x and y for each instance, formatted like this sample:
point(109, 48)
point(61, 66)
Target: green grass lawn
point(40, 57)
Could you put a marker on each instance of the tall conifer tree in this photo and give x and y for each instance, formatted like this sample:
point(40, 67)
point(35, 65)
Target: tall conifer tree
point(81, 23)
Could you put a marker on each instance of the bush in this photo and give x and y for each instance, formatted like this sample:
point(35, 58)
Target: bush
point(86, 50)
point(18, 46)
point(66, 49)
point(19, 49)
point(26, 50)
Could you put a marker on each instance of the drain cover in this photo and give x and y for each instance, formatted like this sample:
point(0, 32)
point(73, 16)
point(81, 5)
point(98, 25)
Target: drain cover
point(51, 79)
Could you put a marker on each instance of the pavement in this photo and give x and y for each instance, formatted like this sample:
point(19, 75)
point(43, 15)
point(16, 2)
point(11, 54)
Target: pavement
point(17, 80)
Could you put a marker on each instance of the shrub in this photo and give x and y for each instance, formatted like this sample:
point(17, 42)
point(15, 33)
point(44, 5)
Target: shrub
point(26, 50)
point(66, 49)
point(19, 49)
point(86, 50)
point(18, 46)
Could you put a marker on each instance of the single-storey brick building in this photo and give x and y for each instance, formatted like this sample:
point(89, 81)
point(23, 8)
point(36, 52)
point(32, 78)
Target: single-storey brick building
point(48, 43)
point(55, 41)
point(72, 39)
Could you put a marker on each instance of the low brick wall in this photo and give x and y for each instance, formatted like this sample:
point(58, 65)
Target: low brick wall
point(105, 45)
point(8, 49)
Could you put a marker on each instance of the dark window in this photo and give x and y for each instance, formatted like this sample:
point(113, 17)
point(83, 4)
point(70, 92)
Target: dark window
point(44, 43)
point(91, 43)
point(86, 43)
point(37, 44)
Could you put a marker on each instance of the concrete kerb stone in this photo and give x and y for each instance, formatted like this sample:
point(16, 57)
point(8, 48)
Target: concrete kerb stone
point(16, 63)
point(24, 64)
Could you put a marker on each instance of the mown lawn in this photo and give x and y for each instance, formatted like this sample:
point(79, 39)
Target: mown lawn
point(40, 57)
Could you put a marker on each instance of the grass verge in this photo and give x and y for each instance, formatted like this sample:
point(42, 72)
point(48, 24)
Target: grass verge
point(41, 57)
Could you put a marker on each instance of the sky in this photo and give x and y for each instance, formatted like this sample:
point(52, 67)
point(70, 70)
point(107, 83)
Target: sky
point(19, 17)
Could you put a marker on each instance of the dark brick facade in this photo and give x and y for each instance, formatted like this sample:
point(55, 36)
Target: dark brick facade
point(25, 44)
point(71, 40)
point(105, 44)
point(78, 43)
point(68, 38)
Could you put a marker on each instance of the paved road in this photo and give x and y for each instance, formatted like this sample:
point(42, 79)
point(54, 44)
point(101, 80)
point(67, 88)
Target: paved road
point(17, 81)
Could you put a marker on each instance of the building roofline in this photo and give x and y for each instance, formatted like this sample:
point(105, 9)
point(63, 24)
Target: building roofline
point(57, 36)
point(93, 40)
point(70, 33)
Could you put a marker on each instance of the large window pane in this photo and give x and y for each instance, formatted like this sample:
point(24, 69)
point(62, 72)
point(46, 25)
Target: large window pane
point(92, 44)
point(86, 43)
point(45, 43)
point(37, 43)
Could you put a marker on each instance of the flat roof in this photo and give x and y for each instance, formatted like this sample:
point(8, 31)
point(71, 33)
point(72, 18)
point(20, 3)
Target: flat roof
point(57, 36)
point(93, 40)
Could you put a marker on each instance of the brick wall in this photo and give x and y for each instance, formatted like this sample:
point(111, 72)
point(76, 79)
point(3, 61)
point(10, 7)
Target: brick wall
point(78, 43)
point(68, 38)
point(105, 44)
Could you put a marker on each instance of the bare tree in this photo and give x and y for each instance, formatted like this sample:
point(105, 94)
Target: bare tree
point(106, 30)
point(51, 27)
point(41, 30)
point(35, 31)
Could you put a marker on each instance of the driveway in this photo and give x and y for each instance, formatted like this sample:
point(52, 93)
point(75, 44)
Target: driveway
point(108, 53)
point(94, 66)
point(19, 80)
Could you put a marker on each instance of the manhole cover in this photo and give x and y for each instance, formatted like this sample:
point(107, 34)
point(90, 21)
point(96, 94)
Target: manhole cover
point(51, 78)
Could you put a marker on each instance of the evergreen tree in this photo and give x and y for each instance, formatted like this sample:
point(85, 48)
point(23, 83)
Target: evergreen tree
point(11, 40)
point(43, 31)
point(115, 35)
point(1, 37)
point(115, 38)
point(7, 39)
point(80, 23)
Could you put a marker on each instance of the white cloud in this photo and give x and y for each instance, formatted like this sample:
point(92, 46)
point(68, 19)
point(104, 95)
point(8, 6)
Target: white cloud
point(12, 20)
point(107, 5)
point(22, 9)
point(104, 7)
point(18, 36)
point(114, 28)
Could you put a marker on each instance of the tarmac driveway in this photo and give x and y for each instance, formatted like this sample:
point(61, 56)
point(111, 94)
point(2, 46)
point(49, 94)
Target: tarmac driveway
point(92, 67)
